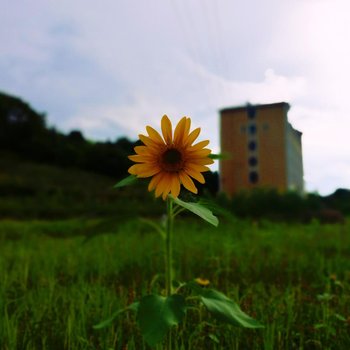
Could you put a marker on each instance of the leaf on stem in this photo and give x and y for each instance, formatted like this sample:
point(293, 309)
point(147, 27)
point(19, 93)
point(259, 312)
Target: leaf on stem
point(219, 156)
point(156, 314)
point(223, 308)
point(131, 179)
point(154, 225)
point(199, 210)
point(105, 323)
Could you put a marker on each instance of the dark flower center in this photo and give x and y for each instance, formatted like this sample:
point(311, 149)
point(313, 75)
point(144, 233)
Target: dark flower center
point(172, 160)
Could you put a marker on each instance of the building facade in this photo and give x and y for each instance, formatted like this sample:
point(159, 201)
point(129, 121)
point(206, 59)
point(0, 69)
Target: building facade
point(260, 148)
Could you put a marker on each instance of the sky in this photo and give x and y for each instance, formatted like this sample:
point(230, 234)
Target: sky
point(111, 67)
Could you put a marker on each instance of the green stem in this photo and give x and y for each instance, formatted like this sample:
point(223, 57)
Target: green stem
point(168, 247)
point(169, 255)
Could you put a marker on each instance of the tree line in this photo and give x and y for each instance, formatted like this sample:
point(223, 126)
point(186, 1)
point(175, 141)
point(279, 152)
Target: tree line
point(24, 131)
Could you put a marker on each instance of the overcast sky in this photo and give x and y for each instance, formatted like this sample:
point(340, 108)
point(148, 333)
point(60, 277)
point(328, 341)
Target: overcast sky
point(110, 67)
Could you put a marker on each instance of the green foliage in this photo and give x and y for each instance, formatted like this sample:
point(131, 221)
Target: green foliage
point(219, 156)
point(31, 190)
point(339, 200)
point(106, 323)
point(53, 290)
point(156, 314)
point(199, 210)
point(126, 181)
point(226, 310)
point(23, 131)
point(223, 308)
point(290, 206)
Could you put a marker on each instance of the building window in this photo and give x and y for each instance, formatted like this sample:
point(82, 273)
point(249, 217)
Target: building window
point(253, 177)
point(252, 129)
point(252, 161)
point(251, 111)
point(252, 146)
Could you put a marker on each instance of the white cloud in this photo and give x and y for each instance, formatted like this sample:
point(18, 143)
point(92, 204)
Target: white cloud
point(128, 119)
point(113, 67)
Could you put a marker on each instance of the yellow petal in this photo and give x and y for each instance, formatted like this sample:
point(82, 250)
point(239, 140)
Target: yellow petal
point(154, 135)
point(195, 174)
point(199, 153)
point(192, 136)
point(175, 185)
point(187, 128)
point(141, 158)
point(141, 150)
point(147, 170)
point(154, 181)
point(133, 170)
point(163, 186)
point(167, 130)
point(199, 145)
point(160, 187)
point(197, 167)
point(187, 182)
point(158, 190)
point(149, 142)
point(167, 186)
point(179, 131)
point(202, 161)
point(147, 151)
point(165, 194)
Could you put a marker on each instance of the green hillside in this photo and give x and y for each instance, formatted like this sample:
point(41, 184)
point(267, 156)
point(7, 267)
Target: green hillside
point(29, 189)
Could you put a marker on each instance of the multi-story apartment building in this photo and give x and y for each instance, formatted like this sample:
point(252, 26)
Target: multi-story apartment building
point(260, 148)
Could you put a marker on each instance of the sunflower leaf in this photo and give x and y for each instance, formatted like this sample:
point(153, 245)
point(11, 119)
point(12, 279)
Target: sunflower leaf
point(108, 321)
point(223, 308)
point(157, 314)
point(219, 156)
point(126, 181)
point(226, 310)
point(199, 210)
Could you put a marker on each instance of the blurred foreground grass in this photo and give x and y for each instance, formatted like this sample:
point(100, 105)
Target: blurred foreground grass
point(59, 278)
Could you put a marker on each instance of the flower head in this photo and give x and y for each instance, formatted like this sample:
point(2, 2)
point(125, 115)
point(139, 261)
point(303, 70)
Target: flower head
point(202, 281)
point(171, 160)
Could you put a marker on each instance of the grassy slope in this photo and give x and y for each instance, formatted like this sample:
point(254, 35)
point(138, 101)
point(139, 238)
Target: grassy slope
point(31, 190)
point(295, 279)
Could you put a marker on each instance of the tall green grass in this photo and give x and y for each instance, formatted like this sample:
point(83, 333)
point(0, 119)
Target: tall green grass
point(59, 278)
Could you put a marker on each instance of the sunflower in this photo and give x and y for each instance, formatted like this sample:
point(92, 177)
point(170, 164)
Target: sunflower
point(171, 160)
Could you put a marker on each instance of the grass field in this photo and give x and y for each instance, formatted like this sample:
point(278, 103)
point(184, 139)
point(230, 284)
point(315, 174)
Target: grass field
point(59, 278)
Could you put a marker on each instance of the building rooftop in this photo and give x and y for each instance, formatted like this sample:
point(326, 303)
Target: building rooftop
point(260, 106)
